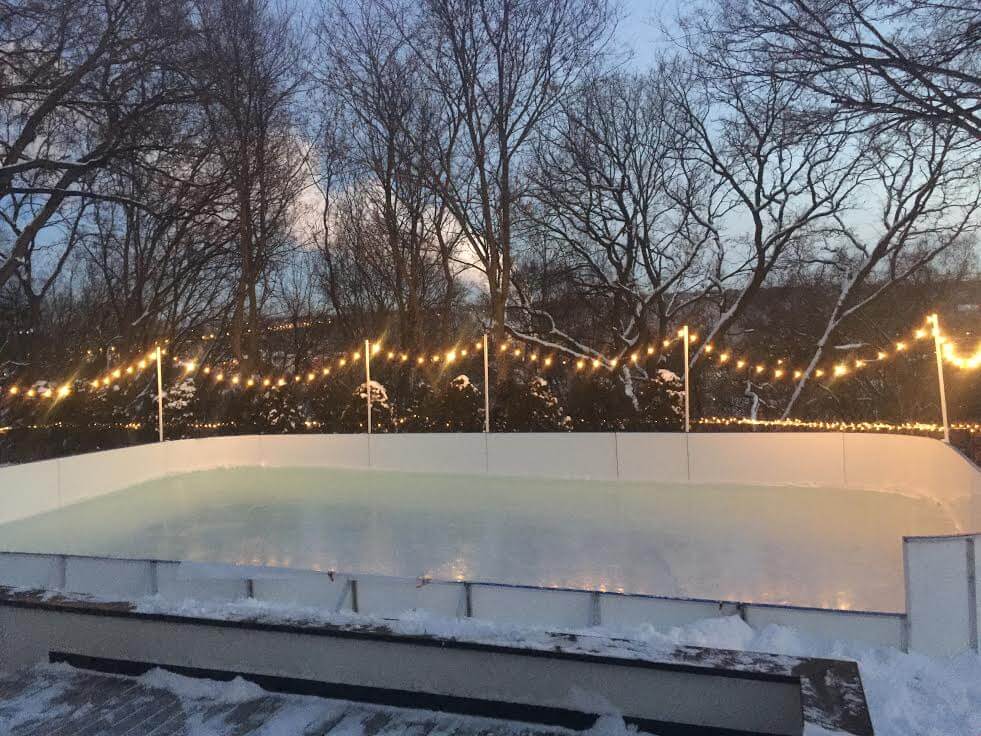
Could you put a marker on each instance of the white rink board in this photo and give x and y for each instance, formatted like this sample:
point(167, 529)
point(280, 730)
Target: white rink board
point(95, 474)
point(95, 576)
point(791, 458)
point(585, 456)
point(644, 456)
point(941, 594)
point(29, 489)
point(570, 609)
point(314, 451)
point(185, 456)
point(465, 454)
point(915, 466)
point(381, 596)
point(878, 629)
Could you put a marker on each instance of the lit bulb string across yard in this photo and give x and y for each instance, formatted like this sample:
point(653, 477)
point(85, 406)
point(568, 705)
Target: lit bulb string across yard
point(837, 426)
point(227, 375)
point(726, 422)
point(780, 369)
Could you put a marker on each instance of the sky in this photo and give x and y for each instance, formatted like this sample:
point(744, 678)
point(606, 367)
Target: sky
point(639, 30)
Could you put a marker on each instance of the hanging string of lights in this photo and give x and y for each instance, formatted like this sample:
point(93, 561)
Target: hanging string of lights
point(837, 426)
point(737, 361)
point(780, 369)
point(797, 424)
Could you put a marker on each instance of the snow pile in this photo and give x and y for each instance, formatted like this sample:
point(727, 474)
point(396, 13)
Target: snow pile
point(908, 694)
point(611, 725)
point(214, 691)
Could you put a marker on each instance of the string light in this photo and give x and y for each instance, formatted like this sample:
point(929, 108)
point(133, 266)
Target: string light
point(846, 368)
point(775, 369)
point(838, 426)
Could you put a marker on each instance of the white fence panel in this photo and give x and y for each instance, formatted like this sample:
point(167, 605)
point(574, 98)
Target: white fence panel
point(974, 588)
point(919, 466)
point(98, 473)
point(625, 611)
point(430, 453)
point(887, 629)
point(315, 450)
point(941, 593)
point(172, 584)
point(571, 609)
point(585, 455)
point(388, 597)
point(308, 589)
point(774, 458)
point(38, 572)
point(105, 576)
point(29, 489)
point(652, 457)
point(186, 456)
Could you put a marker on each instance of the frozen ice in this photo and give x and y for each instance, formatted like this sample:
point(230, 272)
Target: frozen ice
point(827, 547)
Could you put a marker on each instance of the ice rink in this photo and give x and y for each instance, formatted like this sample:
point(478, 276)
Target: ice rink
point(823, 547)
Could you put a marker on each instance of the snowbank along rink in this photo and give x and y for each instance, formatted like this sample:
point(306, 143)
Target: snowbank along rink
point(810, 519)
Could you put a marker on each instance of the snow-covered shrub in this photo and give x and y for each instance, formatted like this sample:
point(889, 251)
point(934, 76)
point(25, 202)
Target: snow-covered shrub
point(452, 406)
point(183, 408)
point(275, 410)
point(521, 403)
point(601, 401)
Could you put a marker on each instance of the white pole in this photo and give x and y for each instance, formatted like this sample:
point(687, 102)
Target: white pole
point(940, 374)
point(684, 335)
point(486, 388)
point(367, 379)
point(160, 397)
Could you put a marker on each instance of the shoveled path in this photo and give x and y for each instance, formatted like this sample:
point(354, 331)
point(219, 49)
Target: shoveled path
point(56, 700)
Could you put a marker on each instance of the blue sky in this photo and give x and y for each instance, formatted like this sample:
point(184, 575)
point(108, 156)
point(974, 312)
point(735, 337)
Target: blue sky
point(640, 30)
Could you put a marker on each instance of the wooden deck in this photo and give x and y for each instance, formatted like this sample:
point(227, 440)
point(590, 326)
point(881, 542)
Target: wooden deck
point(55, 700)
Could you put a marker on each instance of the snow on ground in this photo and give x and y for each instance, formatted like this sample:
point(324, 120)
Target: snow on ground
point(302, 711)
point(56, 698)
point(908, 694)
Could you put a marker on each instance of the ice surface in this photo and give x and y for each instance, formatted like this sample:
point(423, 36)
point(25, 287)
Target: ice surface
point(807, 546)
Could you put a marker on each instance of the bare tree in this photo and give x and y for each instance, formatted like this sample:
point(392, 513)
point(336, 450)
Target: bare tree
point(616, 197)
point(161, 267)
point(251, 68)
point(783, 180)
point(896, 60)
point(497, 69)
point(926, 181)
point(81, 84)
point(369, 70)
